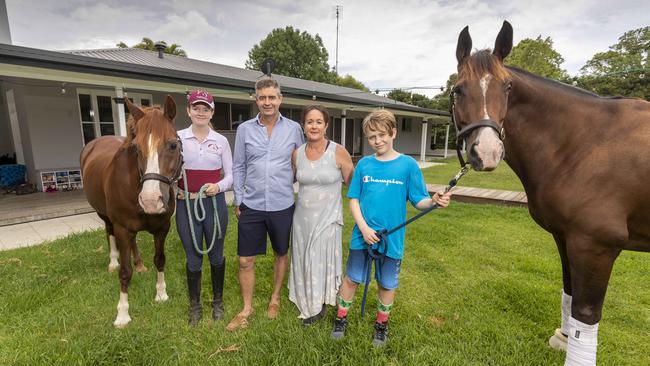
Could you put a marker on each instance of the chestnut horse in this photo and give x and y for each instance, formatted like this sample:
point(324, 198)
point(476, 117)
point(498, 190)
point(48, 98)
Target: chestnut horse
point(128, 181)
point(582, 160)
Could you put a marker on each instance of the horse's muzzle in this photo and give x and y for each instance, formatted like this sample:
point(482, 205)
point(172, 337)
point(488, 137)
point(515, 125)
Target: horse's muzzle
point(487, 151)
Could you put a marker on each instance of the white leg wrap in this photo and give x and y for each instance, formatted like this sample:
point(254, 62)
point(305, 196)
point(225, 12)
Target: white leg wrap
point(161, 288)
point(113, 255)
point(123, 317)
point(583, 341)
point(566, 313)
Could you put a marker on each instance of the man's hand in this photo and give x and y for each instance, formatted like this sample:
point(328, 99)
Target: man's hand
point(237, 212)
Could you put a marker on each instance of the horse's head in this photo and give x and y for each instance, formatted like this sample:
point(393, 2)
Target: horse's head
point(152, 134)
point(480, 98)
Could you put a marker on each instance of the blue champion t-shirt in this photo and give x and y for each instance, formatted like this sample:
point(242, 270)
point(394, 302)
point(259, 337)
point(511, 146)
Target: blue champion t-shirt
point(382, 188)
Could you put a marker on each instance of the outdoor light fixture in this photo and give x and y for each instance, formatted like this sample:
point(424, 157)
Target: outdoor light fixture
point(313, 97)
point(251, 94)
point(63, 88)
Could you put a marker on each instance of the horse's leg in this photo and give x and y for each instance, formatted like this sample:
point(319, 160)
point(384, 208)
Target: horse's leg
point(159, 261)
point(137, 258)
point(560, 338)
point(125, 241)
point(591, 266)
point(113, 254)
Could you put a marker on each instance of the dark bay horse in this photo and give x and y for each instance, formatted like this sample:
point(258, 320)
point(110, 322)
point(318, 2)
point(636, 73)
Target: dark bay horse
point(128, 181)
point(583, 161)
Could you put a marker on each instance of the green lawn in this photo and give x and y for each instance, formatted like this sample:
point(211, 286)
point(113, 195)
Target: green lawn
point(501, 178)
point(479, 286)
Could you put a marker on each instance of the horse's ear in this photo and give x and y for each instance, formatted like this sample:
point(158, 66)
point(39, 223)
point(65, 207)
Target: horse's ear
point(135, 111)
point(503, 44)
point(170, 108)
point(464, 47)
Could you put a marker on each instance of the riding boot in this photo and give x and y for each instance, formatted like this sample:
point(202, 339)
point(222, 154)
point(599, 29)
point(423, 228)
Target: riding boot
point(194, 290)
point(218, 273)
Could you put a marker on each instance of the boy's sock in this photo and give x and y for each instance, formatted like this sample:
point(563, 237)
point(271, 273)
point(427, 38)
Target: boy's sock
point(344, 307)
point(383, 311)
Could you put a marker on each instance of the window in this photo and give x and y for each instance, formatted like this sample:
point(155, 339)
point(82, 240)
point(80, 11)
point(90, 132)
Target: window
point(407, 124)
point(141, 100)
point(221, 117)
point(240, 113)
point(97, 110)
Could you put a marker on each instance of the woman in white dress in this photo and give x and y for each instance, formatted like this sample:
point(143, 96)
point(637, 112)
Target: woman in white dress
point(321, 167)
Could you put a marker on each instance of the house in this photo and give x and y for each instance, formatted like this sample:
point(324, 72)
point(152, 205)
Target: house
point(54, 102)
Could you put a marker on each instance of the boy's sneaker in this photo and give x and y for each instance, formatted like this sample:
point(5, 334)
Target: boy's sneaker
point(339, 327)
point(381, 334)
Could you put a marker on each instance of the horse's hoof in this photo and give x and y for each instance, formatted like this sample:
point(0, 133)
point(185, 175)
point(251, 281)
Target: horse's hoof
point(558, 341)
point(161, 297)
point(121, 323)
point(113, 267)
point(140, 268)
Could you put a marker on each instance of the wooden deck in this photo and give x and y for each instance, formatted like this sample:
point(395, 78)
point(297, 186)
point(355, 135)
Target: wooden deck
point(484, 196)
point(41, 206)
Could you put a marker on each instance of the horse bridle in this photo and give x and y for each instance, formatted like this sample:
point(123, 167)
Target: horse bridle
point(461, 134)
point(159, 177)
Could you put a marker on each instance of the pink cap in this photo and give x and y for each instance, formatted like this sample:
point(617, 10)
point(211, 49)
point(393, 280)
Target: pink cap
point(200, 96)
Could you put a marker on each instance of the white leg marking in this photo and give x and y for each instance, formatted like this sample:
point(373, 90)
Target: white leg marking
point(161, 288)
point(113, 255)
point(123, 317)
point(583, 343)
point(485, 81)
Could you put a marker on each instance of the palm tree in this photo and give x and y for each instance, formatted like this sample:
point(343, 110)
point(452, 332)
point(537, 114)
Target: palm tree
point(148, 44)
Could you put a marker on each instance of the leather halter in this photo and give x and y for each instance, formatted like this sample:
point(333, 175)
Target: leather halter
point(159, 177)
point(461, 134)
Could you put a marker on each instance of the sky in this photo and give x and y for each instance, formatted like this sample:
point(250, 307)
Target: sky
point(384, 44)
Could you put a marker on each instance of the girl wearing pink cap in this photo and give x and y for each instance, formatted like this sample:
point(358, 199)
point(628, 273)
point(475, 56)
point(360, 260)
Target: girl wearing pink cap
point(207, 175)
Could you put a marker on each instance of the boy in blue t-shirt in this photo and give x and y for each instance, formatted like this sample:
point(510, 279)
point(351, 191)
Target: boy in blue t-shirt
point(380, 186)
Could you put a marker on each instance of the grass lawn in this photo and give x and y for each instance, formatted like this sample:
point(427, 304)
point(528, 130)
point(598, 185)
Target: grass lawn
point(479, 286)
point(501, 178)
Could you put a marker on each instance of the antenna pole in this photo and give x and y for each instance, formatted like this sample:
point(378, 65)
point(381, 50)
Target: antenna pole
point(336, 67)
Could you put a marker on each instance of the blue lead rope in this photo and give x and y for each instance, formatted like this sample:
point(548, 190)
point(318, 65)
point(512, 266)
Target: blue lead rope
point(200, 214)
point(377, 255)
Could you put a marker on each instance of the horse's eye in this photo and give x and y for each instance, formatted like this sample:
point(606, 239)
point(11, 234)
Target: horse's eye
point(509, 87)
point(173, 145)
point(457, 91)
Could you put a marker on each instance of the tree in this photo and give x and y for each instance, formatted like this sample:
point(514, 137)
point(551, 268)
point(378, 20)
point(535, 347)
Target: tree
point(623, 70)
point(297, 54)
point(441, 101)
point(415, 99)
point(350, 82)
point(148, 44)
point(539, 57)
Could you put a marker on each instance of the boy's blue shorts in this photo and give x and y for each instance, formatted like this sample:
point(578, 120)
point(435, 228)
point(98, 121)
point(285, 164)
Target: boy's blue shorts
point(356, 269)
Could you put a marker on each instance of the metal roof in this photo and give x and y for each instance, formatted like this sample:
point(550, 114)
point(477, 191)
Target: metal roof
point(134, 61)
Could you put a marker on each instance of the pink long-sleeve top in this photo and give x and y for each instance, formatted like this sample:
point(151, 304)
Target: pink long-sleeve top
point(205, 161)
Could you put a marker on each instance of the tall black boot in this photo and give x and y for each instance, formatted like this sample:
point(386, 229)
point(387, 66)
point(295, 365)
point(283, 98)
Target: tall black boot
point(194, 290)
point(218, 273)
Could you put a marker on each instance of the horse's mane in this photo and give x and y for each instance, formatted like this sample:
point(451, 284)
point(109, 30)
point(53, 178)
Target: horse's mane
point(149, 125)
point(552, 83)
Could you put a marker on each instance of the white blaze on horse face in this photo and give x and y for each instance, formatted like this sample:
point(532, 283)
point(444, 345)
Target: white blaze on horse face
point(161, 288)
point(123, 318)
point(485, 82)
point(113, 255)
point(150, 196)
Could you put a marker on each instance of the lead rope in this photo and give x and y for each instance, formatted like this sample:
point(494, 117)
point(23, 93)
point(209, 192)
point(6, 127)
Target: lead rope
point(200, 214)
point(377, 255)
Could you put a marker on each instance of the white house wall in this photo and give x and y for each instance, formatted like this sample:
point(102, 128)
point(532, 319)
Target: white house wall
point(54, 127)
point(6, 145)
